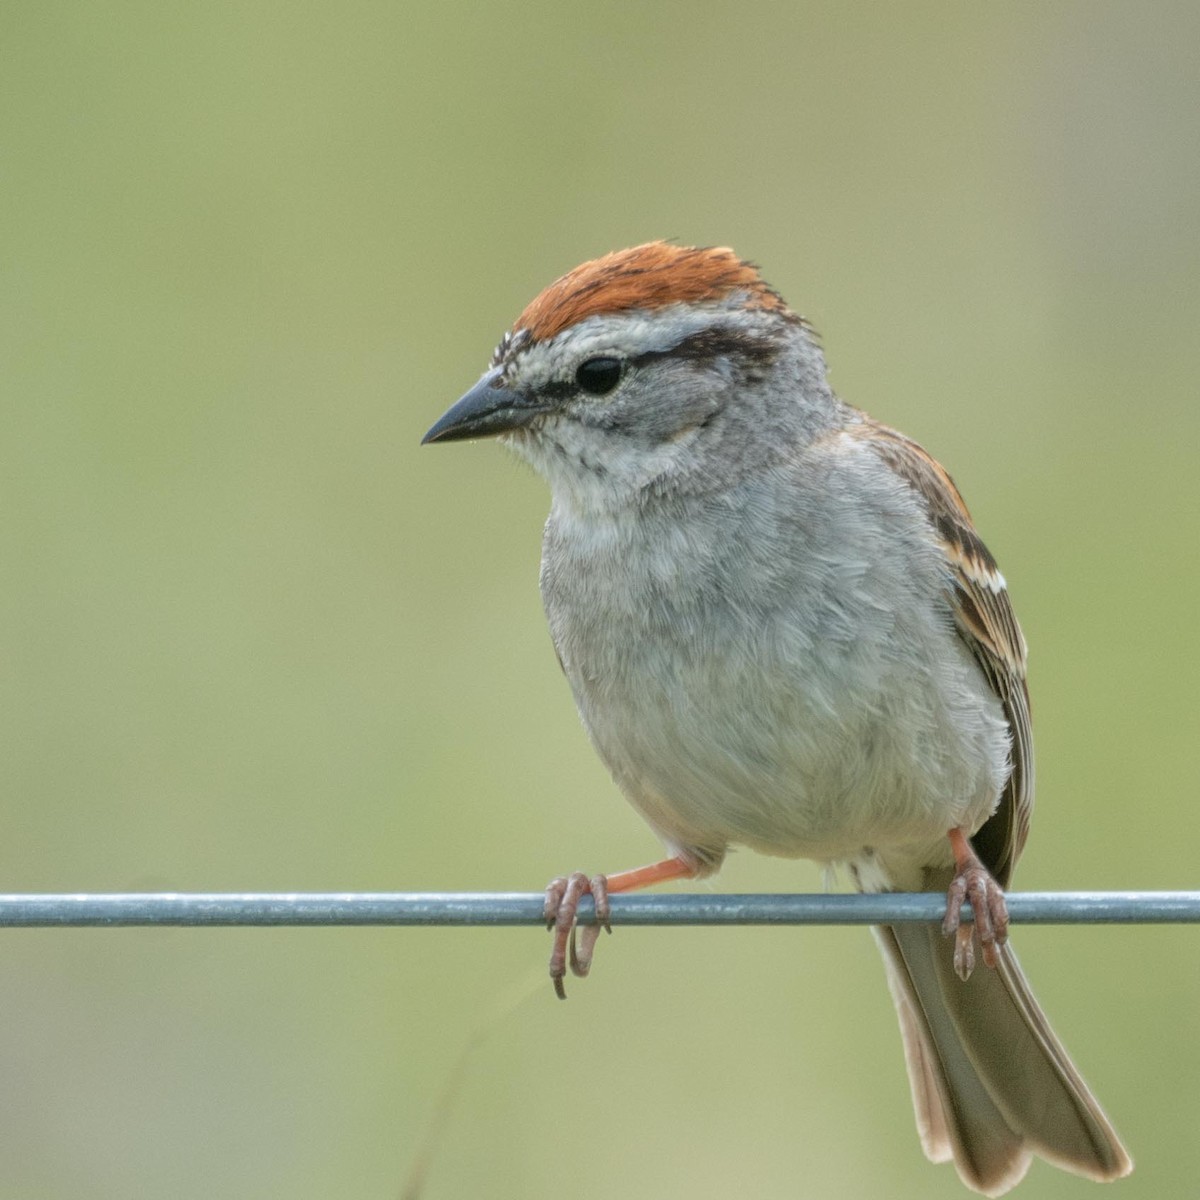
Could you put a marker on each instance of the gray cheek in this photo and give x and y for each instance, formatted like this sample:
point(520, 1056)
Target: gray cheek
point(660, 405)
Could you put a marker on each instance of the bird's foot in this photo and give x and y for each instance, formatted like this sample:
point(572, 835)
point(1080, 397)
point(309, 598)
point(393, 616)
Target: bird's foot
point(574, 945)
point(972, 881)
point(562, 907)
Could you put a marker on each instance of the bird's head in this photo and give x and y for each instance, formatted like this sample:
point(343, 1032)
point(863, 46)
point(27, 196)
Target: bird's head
point(653, 369)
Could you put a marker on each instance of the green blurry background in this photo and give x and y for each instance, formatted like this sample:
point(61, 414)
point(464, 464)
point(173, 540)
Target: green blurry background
point(252, 637)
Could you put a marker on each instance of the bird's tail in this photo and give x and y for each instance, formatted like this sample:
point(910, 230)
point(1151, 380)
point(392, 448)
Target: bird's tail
point(991, 1084)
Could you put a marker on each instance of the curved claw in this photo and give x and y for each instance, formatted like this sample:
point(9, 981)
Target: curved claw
point(560, 910)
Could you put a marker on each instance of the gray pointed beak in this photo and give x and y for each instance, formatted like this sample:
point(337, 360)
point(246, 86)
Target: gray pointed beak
point(487, 409)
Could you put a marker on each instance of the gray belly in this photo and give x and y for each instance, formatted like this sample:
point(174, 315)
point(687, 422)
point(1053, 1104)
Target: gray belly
point(819, 759)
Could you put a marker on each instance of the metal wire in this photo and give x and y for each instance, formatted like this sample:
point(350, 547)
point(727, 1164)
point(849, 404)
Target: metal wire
point(506, 908)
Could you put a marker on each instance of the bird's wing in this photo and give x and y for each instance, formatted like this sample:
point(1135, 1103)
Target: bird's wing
point(986, 622)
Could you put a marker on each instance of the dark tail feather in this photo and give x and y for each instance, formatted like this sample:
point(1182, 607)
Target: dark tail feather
point(991, 1083)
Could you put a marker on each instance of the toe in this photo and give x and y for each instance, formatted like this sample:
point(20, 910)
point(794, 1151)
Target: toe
point(955, 899)
point(555, 890)
point(583, 944)
point(964, 952)
point(563, 922)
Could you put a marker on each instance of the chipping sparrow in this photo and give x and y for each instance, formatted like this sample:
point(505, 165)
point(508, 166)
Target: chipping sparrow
point(783, 632)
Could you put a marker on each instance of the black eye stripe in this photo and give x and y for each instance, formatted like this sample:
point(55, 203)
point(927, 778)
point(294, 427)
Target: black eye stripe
point(556, 389)
point(708, 344)
point(598, 376)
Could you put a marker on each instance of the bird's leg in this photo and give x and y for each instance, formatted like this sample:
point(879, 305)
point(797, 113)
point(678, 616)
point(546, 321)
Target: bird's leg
point(562, 905)
point(972, 881)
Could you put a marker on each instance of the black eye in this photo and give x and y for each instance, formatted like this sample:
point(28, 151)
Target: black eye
point(598, 375)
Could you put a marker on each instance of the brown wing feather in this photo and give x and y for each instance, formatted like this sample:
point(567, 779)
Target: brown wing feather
point(985, 619)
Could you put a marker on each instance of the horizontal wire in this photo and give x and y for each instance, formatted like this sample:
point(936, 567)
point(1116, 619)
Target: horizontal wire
point(522, 908)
